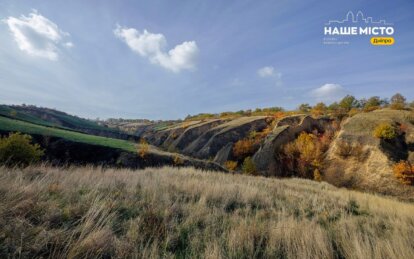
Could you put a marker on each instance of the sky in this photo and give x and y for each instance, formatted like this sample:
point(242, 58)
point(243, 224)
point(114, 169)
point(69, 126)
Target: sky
point(167, 59)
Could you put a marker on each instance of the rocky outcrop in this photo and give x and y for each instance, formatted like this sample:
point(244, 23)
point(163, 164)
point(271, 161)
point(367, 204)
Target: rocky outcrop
point(357, 159)
point(286, 130)
point(210, 142)
point(225, 154)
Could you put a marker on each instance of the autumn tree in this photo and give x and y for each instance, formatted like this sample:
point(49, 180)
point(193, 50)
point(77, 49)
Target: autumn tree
point(398, 102)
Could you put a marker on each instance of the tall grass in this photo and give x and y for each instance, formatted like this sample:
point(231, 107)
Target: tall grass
point(85, 212)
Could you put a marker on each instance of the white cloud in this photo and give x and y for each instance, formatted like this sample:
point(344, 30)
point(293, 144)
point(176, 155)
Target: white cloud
point(37, 36)
point(328, 92)
point(268, 72)
point(152, 46)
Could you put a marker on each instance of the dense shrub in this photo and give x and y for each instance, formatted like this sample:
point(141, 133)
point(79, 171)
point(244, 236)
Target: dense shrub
point(16, 149)
point(243, 148)
point(304, 156)
point(230, 165)
point(249, 166)
point(385, 131)
point(404, 172)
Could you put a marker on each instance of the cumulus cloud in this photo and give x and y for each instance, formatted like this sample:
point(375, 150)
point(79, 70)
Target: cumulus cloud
point(37, 36)
point(328, 92)
point(153, 45)
point(268, 72)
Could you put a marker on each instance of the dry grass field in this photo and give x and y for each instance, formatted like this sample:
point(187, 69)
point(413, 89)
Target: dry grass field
point(85, 212)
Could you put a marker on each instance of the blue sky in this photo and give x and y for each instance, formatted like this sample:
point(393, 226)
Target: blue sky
point(166, 59)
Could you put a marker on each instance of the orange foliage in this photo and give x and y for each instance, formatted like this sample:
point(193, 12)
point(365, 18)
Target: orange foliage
point(143, 148)
point(404, 172)
point(230, 165)
point(243, 148)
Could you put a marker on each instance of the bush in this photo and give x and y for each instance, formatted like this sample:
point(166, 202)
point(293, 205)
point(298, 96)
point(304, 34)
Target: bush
point(404, 172)
point(143, 148)
point(248, 166)
point(16, 149)
point(243, 148)
point(230, 165)
point(345, 150)
point(317, 175)
point(385, 131)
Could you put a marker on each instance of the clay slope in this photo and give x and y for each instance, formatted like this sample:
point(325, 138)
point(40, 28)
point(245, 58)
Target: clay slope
point(368, 164)
point(287, 129)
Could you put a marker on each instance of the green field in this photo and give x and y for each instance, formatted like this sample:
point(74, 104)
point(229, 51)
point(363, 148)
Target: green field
point(7, 124)
point(23, 114)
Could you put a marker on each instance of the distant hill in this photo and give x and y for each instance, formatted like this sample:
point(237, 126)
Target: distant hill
point(56, 119)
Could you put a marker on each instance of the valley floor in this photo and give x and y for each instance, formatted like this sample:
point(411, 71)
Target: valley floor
point(169, 212)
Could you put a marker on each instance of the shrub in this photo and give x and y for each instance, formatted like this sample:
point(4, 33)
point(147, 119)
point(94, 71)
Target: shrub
point(143, 148)
point(178, 160)
point(230, 165)
point(404, 172)
point(345, 150)
point(248, 166)
point(16, 149)
point(317, 175)
point(243, 148)
point(385, 131)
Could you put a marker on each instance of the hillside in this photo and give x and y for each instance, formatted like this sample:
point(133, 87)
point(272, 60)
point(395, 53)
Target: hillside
point(369, 165)
point(57, 119)
point(185, 213)
point(66, 146)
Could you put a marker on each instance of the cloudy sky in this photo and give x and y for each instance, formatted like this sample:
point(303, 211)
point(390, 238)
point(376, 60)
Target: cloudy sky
point(166, 59)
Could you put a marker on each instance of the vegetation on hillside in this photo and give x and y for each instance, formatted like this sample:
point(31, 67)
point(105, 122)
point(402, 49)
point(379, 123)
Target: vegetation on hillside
point(11, 125)
point(183, 213)
point(17, 149)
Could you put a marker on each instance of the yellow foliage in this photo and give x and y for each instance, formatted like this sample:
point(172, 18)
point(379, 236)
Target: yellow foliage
point(317, 175)
point(143, 148)
point(243, 148)
point(385, 131)
point(230, 165)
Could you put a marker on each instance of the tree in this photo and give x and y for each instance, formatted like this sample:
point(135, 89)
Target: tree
point(348, 102)
point(143, 148)
point(243, 148)
point(398, 101)
point(249, 166)
point(319, 109)
point(17, 149)
point(304, 107)
point(372, 103)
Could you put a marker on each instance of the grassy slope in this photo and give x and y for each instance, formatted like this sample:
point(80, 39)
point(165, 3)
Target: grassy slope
point(7, 124)
point(170, 212)
point(20, 113)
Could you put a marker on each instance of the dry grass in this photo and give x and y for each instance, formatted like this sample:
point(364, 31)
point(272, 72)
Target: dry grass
point(170, 212)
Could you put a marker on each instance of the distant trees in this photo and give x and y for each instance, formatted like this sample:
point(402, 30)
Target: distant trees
point(319, 109)
point(304, 107)
point(348, 102)
point(17, 149)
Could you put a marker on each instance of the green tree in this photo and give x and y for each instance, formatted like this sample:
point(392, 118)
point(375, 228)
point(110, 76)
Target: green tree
point(304, 107)
point(372, 103)
point(348, 102)
point(17, 149)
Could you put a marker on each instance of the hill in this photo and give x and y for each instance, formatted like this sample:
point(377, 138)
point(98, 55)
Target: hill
point(66, 146)
point(184, 213)
point(57, 119)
